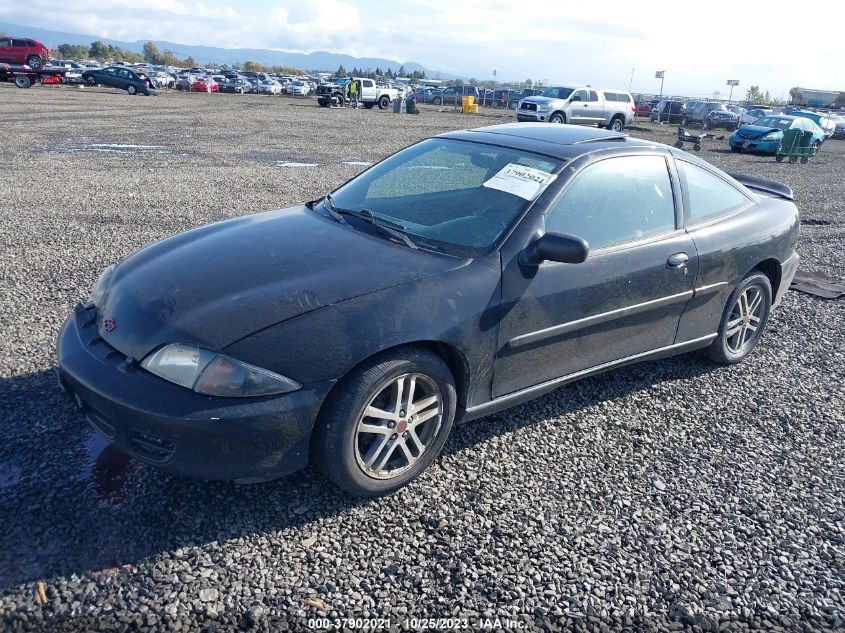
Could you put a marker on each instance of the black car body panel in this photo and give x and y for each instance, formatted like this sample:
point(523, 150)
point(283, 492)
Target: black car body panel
point(311, 298)
point(207, 286)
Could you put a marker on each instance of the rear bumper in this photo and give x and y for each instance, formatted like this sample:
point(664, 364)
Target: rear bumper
point(179, 430)
point(787, 273)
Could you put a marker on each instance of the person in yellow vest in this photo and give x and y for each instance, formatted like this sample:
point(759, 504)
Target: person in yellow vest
point(353, 91)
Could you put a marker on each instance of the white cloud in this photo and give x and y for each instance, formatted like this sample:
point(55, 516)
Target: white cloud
point(560, 41)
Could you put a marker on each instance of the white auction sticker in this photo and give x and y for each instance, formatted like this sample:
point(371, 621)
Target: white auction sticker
point(522, 181)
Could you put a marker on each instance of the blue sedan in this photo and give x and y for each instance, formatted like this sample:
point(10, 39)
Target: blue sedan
point(765, 134)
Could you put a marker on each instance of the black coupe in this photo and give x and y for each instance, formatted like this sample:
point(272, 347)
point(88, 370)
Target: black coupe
point(463, 275)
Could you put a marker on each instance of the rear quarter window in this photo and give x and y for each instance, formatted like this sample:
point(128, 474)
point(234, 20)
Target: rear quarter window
point(708, 195)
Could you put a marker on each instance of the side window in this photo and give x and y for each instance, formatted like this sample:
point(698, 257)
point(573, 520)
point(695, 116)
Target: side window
point(616, 200)
point(123, 73)
point(5, 43)
point(709, 195)
point(580, 95)
point(611, 96)
point(368, 83)
point(20, 44)
point(594, 95)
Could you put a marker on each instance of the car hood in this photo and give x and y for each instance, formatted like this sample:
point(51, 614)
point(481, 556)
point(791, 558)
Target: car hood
point(539, 100)
point(215, 285)
point(755, 131)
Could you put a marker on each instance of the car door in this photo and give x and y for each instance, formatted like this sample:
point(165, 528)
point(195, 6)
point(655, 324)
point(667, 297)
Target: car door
point(108, 77)
point(578, 107)
point(625, 299)
point(368, 90)
point(594, 112)
point(6, 50)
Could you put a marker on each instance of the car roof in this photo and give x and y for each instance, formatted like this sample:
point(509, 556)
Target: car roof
point(560, 141)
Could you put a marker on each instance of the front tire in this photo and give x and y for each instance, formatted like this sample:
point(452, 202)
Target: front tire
point(90, 80)
point(557, 117)
point(131, 89)
point(743, 320)
point(385, 422)
point(35, 62)
point(23, 81)
point(437, 101)
point(383, 102)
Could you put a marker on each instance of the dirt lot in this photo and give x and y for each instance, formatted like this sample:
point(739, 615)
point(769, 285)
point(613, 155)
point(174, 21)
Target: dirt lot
point(670, 494)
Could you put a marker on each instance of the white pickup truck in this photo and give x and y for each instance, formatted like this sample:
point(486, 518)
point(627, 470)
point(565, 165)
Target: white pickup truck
point(369, 94)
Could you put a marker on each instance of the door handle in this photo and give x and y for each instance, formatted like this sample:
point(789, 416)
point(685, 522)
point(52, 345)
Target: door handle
point(677, 260)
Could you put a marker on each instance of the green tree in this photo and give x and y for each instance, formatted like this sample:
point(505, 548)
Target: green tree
point(73, 51)
point(151, 53)
point(189, 62)
point(255, 67)
point(755, 95)
point(527, 83)
point(401, 71)
point(98, 50)
point(341, 71)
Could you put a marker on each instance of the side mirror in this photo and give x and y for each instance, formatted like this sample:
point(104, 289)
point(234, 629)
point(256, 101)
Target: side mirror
point(575, 98)
point(555, 247)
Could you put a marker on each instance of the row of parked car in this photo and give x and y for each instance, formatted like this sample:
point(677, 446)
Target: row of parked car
point(715, 114)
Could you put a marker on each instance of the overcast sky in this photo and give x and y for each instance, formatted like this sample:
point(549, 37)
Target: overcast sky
point(584, 41)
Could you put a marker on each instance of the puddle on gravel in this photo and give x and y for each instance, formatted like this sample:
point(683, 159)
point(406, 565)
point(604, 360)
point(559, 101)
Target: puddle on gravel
point(109, 148)
point(107, 466)
point(290, 163)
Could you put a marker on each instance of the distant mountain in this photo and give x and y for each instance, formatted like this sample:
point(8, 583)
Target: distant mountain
point(316, 61)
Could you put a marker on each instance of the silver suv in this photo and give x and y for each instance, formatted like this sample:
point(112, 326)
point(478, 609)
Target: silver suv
point(613, 109)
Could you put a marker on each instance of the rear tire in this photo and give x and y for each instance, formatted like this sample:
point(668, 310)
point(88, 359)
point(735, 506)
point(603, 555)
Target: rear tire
point(383, 102)
point(131, 89)
point(23, 81)
point(35, 62)
point(617, 124)
point(437, 101)
point(743, 320)
point(348, 445)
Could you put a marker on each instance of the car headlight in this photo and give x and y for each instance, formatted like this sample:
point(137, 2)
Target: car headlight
point(214, 374)
point(771, 136)
point(103, 283)
point(544, 106)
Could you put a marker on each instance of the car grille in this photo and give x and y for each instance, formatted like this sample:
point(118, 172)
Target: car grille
point(151, 447)
point(747, 135)
point(529, 106)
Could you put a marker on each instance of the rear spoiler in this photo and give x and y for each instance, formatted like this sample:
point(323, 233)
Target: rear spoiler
point(769, 187)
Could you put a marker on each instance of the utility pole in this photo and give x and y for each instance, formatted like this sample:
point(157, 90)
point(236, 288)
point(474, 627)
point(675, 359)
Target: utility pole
point(631, 83)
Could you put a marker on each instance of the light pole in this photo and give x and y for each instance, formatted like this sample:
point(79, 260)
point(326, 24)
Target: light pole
point(732, 83)
point(660, 74)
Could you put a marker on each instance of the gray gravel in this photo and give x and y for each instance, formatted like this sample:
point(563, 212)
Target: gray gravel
point(669, 495)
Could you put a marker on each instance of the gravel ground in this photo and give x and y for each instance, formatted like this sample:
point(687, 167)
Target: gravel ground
point(669, 495)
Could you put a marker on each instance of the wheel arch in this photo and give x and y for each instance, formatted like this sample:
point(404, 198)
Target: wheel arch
point(561, 113)
point(772, 269)
point(449, 354)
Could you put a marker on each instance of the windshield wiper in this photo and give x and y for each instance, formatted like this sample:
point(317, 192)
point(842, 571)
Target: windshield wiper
point(386, 227)
point(332, 209)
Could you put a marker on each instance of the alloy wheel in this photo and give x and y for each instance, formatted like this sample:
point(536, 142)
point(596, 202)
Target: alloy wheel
point(398, 424)
point(743, 325)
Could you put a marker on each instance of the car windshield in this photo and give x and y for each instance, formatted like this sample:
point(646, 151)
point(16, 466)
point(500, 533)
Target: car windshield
point(780, 123)
point(716, 107)
point(454, 196)
point(556, 93)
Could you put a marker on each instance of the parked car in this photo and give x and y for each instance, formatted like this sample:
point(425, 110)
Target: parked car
point(752, 114)
point(720, 116)
point(642, 109)
point(563, 252)
point(822, 119)
point(239, 85)
point(697, 111)
point(118, 77)
point(765, 134)
point(449, 95)
point(369, 95)
point(23, 51)
point(300, 88)
point(206, 84)
point(579, 105)
point(269, 87)
point(839, 122)
point(668, 110)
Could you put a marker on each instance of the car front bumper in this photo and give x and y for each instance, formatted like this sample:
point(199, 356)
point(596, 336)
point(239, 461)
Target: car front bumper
point(532, 115)
point(755, 145)
point(176, 429)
